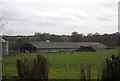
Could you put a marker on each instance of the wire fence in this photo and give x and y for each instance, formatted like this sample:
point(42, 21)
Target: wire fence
point(69, 70)
point(76, 71)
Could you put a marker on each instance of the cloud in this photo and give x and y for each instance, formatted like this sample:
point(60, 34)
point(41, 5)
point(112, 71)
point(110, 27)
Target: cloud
point(108, 4)
point(46, 18)
point(58, 16)
point(105, 18)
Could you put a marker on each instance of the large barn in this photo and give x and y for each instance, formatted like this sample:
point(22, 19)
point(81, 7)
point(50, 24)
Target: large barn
point(58, 46)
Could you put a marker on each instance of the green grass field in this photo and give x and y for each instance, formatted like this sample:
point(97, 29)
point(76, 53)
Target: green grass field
point(58, 61)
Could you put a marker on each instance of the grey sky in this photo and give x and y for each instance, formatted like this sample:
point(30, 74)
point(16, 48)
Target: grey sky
point(60, 16)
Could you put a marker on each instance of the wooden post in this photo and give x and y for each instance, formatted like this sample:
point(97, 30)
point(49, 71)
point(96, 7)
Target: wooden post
point(82, 73)
point(99, 68)
point(1, 69)
point(88, 71)
point(67, 70)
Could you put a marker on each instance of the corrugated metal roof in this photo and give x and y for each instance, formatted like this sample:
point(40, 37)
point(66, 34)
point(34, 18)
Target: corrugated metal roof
point(67, 45)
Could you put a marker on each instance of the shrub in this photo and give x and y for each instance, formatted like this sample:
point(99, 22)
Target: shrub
point(37, 68)
point(112, 69)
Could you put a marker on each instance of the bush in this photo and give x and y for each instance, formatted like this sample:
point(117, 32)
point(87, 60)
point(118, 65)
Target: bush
point(37, 68)
point(112, 69)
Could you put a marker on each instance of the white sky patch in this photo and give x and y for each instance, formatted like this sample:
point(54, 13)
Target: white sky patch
point(60, 16)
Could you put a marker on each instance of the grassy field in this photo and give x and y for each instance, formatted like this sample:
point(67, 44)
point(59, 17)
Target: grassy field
point(58, 61)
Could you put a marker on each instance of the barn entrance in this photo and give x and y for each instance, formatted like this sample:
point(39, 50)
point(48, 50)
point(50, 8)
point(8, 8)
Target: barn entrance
point(28, 48)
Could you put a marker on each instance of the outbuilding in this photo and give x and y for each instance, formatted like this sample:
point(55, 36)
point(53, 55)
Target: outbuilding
point(3, 47)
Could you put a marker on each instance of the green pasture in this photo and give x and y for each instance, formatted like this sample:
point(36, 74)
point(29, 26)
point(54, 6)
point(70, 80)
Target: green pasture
point(58, 63)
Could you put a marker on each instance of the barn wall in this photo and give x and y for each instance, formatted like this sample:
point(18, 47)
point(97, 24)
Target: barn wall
point(5, 48)
point(56, 50)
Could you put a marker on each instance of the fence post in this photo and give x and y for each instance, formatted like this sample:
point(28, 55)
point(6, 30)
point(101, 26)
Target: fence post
point(82, 73)
point(99, 68)
point(88, 71)
point(1, 69)
point(67, 70)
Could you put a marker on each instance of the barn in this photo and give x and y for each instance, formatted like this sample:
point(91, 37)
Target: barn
point(58, 46)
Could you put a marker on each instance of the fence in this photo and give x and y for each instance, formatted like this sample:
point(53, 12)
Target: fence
point(73, 71)
point(76, 71)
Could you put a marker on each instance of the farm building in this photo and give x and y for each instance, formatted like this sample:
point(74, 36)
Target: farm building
point(3, 47)
point(58, 46)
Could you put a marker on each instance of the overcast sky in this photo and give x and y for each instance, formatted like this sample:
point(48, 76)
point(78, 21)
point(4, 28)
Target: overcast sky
point(59, 16)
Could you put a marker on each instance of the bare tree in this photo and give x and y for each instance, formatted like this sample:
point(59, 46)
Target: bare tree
point(2, 19)
point(2, 26)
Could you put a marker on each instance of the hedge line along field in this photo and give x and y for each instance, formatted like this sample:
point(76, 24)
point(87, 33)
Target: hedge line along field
point(58, 63)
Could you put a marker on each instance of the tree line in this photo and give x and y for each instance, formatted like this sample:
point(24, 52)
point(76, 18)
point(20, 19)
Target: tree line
point(107, 39)
point(111, 40)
